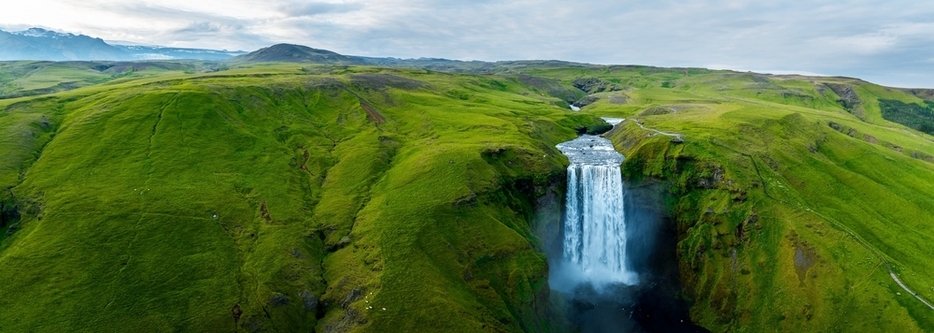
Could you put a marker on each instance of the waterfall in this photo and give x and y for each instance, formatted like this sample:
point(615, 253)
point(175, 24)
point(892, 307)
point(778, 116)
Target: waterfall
point(592, 264)
point(595, 223)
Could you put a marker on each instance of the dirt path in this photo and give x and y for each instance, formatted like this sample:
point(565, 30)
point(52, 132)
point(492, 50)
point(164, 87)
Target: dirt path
point(909, 291)
point(676, 136)
point(673, 135)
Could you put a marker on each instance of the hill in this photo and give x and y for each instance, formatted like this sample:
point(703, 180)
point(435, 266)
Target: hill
point(305, 200)
point(30, 78)
point(343, 198)
point(798, 209)
point(296, 53)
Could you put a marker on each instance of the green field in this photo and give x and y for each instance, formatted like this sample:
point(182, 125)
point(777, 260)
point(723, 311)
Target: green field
point(351, 199)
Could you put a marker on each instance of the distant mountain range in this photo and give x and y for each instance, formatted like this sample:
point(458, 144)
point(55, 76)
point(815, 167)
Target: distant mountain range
point(304, 54)
point(41, 44)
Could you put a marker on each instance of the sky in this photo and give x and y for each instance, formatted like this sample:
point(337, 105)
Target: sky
point(886, 42)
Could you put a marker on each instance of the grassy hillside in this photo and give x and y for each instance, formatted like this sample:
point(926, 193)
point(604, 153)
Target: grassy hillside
point(793, 204)
point(31, 78)
point(346, 199)
point(363, 199)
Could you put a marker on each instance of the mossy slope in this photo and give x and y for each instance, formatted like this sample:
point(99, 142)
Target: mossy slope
point(792, 201)
point(358, 200)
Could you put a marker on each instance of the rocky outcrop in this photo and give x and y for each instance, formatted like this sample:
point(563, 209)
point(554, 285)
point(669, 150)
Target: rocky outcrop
point(925, 94)
point(595, 85)
point(656, 110)
point(587, 100)
point(551, 87)
point(848, 98)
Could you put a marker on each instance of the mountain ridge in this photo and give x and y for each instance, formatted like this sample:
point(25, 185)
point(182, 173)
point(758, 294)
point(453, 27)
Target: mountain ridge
point(42, 44)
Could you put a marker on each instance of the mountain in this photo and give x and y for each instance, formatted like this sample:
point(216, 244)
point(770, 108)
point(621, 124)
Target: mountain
point(287, 197)
point(297, 53)
point(303, 54)
point(140, 52)
point(41, 44)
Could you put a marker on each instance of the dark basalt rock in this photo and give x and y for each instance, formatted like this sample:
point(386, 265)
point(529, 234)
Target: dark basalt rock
point(594, 85)
point(309, 301)
point(848, 97)
point(278, 299)
point(587, 100)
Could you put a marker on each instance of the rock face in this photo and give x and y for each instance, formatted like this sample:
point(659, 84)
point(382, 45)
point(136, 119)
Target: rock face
point(587, 100)
point(619, 99)
point(551, 87)
point(595, 85)
point(925, 94)
point(278, 299)
point(655, 110)
point(848, 98)
point(309, 301)
point(9, 215)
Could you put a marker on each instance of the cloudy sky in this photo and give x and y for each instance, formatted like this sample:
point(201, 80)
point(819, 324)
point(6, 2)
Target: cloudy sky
point(887, 42)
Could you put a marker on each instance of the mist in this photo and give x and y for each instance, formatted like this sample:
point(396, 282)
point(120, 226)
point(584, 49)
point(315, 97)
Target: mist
point(651, 301)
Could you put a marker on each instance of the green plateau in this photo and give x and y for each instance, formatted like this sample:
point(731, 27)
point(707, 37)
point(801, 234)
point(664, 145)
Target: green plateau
point(354, 196)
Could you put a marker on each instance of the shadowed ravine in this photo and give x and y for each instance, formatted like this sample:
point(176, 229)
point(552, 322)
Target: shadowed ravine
point(615, 263)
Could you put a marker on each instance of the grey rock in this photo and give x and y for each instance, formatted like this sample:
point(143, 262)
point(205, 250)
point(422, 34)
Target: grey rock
point(309, 301)
point(278, 299)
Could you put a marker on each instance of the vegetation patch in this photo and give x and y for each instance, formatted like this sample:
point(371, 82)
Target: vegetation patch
point(917, 116)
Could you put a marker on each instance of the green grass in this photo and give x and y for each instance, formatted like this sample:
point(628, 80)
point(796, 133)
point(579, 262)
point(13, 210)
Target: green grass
point(160, 203)
point(160, 199)
point(810, 187)
point(50, 76)
point(31, 78)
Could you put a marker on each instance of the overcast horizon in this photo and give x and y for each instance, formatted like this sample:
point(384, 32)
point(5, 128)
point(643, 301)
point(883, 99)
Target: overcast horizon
point(889, 43)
